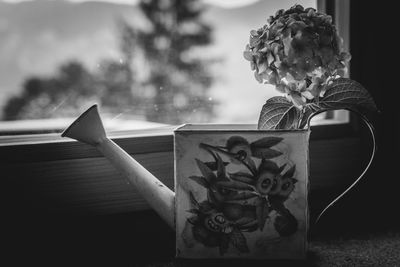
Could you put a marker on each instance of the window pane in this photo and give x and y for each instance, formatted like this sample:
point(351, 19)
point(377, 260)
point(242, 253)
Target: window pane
point(164, 62)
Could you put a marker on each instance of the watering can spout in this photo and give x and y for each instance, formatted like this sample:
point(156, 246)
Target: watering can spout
point(88, 128)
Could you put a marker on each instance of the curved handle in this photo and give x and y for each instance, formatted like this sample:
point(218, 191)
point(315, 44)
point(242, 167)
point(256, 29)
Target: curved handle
point(374, 148)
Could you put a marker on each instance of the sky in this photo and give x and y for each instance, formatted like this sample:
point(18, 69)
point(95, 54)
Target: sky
point(35, 43)
point(221, 3)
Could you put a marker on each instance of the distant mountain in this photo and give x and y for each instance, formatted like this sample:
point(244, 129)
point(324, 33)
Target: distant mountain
point(36, 36)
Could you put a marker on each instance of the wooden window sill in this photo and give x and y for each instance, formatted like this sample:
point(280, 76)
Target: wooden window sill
point(46, 172)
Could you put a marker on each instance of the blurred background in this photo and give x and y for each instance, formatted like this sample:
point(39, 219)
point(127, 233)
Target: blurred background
point(143, 61)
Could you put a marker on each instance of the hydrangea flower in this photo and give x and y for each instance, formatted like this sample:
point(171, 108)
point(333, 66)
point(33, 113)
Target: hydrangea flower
point(298, 51)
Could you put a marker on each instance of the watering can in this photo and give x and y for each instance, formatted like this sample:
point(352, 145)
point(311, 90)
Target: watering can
point(239, 193)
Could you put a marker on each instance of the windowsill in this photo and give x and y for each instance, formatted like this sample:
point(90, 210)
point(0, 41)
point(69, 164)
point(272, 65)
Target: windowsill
point(66, 176)
point(20, 133)
point(54, 135)
point(57, 125)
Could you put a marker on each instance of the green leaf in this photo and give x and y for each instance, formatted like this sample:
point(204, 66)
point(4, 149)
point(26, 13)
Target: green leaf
point(265, 153)
point(239, 241)
point(343, 93)
point(346, 93)
point(207, 173)
point(200, 180)
point(306, 115)
point(278, 113)
point(266, 142)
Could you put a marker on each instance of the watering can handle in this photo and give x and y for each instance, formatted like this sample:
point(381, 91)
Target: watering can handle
point(374, 148)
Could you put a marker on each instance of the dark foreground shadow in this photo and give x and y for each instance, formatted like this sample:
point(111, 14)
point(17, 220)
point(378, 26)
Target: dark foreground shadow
point(143, 239)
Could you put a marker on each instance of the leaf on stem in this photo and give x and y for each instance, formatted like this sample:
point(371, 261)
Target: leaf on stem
point(347, 93)
point(343, 93)
point(306, 115)
point(278, 113)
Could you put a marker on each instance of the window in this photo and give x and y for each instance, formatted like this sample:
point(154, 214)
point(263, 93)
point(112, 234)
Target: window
point(66, 176)
point(55, 67)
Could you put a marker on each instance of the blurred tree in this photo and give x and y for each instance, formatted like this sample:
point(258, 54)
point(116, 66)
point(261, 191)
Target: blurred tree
point(174, 81)
point(65, 93)
point(116, 81)
point(158, 75)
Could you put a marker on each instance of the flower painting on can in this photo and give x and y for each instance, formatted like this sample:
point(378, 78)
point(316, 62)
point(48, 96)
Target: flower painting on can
point(241, 192)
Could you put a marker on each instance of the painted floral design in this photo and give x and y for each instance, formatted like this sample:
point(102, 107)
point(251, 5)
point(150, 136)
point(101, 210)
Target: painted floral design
point(241, 201)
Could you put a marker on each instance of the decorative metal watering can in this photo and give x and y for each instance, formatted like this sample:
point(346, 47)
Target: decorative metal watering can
point(239, 192)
